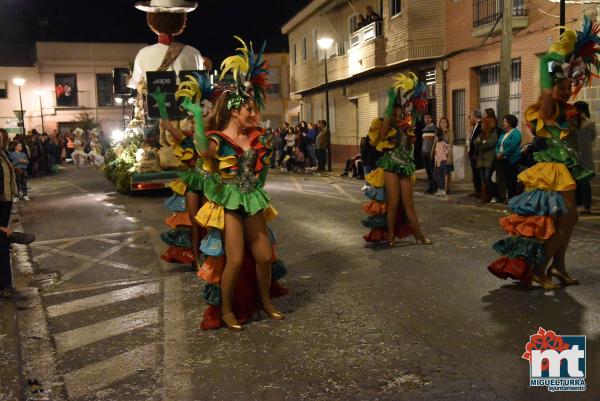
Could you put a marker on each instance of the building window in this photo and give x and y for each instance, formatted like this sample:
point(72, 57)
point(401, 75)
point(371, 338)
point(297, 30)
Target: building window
point(489, 87)
point(459, 116)
point(294, 55)
point(3, 89)
point(488, 11)
point(304, 55)
point(104, 85)
point(315, 45)
point(352, 23)
point(66, 90)
point(274, 89)
point(395, 7)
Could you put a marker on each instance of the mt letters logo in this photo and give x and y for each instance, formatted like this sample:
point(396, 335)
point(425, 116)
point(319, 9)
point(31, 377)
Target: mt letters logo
point(556, 362)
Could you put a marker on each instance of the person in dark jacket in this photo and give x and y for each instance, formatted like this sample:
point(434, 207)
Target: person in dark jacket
point(475, 120)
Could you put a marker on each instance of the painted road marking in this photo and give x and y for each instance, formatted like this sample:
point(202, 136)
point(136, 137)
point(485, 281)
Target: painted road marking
point(454, 231)
point(103, 299)
point(70, 340)
point(101, 374)
point(177, 380)
point(52, 241)
point(97, 286)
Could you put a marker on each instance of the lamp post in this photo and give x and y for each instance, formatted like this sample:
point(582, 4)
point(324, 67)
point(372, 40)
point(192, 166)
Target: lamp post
point(39, 93)
point(20, 82)
point(325, 44)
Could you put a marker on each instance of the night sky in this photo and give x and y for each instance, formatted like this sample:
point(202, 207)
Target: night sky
point(210, 26)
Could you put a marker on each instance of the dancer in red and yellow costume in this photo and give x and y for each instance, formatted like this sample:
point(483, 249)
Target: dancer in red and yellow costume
point(546, 214)
point(185, 234)
point(241, 267)
point(391, 210)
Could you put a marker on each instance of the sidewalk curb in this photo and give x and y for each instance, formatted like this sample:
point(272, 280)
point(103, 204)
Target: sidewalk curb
point(37, 351)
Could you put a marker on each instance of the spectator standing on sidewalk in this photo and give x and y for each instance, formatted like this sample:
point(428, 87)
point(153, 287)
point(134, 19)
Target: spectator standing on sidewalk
point(441, 150)
point(321, 144)
point(586, 135)
point(311, 136)
point(8, 189)
point(486, 144)
point(427, 149)
point(444, 128)
point(278, 146)
point(20, 163)
point(473, 148)
point(508, 154)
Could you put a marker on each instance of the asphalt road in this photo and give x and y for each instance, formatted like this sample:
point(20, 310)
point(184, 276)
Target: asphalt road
point(412, 322)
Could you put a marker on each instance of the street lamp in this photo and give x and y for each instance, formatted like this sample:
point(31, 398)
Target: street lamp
point(20, 82)
point(40, 93)
point(325, 44)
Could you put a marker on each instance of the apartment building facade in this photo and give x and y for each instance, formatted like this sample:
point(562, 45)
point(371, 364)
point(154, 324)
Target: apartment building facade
point(452, 44)
point(361, 61)
point(64, 80)
point(473, 53)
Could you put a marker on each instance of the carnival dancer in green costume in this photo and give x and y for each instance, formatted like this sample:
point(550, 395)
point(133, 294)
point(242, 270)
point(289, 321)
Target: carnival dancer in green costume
point(546, 213)
point(390, 187)
point(185, 234)
point(241, 266)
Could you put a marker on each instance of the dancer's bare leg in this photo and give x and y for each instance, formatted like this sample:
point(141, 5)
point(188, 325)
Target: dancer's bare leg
point(192, 202)
point(255, 232)
point(392, 194)
point(556, 247)
point(406, 195)
point(567, 223)
point(234, 249)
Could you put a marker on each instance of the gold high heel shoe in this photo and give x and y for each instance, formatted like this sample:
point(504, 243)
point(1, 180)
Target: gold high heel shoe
point(270, 310)
point(562, 276)
point(231, 322)
point(545, 284)
point(422, 239)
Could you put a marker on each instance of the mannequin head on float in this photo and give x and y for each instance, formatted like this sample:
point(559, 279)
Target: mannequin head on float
point(171, 24)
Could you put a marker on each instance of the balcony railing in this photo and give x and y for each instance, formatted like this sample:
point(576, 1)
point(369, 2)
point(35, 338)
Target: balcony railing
point(488, 11)
point(366, 33)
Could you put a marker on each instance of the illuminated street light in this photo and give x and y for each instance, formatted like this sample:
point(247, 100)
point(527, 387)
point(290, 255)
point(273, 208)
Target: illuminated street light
point(325, 44)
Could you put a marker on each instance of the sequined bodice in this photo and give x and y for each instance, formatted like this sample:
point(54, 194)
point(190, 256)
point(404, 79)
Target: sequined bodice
point(246, 179)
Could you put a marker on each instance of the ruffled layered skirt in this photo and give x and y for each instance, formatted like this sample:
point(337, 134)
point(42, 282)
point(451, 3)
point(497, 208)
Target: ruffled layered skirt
point(223, 196)
point(534, 211)
point(398, 161)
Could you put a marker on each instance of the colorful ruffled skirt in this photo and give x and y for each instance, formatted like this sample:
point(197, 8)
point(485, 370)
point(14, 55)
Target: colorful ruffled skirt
point(178, 237)
point(223, 196)
point(534, 211)
point(398, 161)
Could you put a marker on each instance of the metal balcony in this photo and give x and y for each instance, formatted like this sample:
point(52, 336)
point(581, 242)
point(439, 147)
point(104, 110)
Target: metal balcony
point(487, 11)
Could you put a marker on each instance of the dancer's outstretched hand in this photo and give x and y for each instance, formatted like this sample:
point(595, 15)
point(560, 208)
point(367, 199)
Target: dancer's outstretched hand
point(192, 107)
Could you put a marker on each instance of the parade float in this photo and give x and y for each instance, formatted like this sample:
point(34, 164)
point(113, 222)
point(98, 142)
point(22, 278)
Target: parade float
point(143, 156)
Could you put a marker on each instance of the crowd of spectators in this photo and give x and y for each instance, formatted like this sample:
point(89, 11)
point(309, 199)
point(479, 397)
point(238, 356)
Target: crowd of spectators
point(301, 148)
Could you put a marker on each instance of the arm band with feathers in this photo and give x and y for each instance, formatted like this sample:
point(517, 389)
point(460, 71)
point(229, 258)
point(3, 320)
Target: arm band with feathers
point(392, 98)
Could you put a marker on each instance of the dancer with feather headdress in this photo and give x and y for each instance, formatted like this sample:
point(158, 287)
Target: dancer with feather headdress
point(241, 268)
point(185, 234)
point(546, 213)
point(391, 209)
